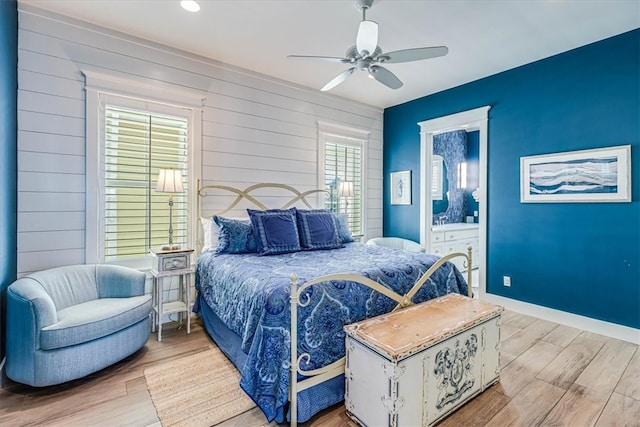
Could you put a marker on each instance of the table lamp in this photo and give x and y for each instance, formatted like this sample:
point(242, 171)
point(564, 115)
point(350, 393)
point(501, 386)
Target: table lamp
point(346, 190)
point(170, 181)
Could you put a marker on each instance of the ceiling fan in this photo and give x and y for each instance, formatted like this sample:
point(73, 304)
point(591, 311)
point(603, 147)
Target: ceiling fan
point(366, 55)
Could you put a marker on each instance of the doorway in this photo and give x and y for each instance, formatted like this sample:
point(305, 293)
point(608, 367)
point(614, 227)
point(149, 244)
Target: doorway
point(471, 120)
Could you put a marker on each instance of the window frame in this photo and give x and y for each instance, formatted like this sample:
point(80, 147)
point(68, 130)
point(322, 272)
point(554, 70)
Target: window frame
point(144, 95)
point(348, 136)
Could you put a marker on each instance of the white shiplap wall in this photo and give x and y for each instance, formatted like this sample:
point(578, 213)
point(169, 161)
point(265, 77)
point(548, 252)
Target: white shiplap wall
point(255, 128)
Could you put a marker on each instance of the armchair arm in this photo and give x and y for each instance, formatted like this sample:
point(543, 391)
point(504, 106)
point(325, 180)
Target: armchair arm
point(116, 281)
point(29, 309)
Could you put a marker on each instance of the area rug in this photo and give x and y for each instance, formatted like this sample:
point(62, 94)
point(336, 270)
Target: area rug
point(197, 390)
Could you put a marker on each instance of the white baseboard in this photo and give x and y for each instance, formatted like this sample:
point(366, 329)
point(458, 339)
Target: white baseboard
point(601, 327)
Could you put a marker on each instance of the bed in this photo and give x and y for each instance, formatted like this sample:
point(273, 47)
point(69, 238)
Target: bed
point(280, 318)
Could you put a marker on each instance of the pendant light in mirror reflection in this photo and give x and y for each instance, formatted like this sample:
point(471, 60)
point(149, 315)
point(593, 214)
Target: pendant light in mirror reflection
point(190, 5)
point(462, 175)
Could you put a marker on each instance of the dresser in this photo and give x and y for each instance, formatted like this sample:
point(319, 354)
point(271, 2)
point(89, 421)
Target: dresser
point(415, 366)
point(449, 238)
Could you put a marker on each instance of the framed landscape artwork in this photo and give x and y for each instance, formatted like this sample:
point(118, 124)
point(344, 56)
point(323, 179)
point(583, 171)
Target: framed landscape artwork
point(401, 188)
point(598, 175)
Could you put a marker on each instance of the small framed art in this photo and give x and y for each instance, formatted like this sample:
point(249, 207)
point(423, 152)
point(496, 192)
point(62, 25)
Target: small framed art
point(597, 175)
point(401, 188)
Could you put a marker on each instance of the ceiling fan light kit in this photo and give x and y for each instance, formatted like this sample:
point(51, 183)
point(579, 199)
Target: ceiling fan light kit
point(366, 54)
point(367, 38)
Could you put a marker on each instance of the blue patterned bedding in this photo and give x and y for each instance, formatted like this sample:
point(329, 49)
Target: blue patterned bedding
point(250, 294)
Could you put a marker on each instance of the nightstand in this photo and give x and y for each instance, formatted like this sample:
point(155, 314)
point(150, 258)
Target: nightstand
point(169, 264)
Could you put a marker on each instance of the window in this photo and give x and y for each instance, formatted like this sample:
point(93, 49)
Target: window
point(135, 127)
point(137, 145)
point(342, 175)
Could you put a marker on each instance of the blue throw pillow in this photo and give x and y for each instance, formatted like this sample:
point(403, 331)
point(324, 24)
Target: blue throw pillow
point(317, 229)
point(235, 236)
point(276, 231)
point(344, 233)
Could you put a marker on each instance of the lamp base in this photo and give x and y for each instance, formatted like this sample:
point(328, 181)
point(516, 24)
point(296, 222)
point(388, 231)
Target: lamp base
point(170, 247)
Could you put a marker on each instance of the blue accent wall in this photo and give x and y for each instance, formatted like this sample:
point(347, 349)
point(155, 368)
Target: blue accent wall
point(582, 258)
point(8, 156)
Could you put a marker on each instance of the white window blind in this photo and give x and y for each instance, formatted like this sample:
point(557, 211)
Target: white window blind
point(137, 145)
point(343, 162)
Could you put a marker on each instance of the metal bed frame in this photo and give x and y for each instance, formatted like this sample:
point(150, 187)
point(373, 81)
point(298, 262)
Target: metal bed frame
point(299, 297)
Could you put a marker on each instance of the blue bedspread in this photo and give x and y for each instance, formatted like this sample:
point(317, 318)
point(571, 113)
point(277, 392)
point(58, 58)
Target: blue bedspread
point(250, 294)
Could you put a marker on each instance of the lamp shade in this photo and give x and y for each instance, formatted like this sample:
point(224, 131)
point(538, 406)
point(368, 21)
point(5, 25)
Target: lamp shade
point(170, 181)
point(345, 189)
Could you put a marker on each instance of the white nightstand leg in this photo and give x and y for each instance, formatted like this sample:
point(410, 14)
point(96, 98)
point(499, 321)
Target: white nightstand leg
point(160, 308)
point(154, 303)
point(187, 280)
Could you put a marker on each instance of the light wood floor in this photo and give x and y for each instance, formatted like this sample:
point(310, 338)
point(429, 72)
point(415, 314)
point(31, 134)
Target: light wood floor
point(551, 375)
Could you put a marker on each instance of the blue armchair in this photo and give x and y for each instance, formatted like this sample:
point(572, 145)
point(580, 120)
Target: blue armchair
point(67, 322)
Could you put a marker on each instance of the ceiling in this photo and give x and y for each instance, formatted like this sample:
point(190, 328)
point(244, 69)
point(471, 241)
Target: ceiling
point(484, 37)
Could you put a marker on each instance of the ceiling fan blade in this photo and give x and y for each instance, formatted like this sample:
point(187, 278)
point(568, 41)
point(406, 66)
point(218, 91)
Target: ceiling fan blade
point(385, 77)
point(338, 79)
point(321, 58)
point(415, 54)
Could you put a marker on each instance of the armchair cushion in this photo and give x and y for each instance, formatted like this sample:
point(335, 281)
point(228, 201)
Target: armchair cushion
point(94, 319)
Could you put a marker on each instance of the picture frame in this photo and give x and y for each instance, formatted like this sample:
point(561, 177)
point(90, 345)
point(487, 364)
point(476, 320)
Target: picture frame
point(595, 175)
point(401, 188)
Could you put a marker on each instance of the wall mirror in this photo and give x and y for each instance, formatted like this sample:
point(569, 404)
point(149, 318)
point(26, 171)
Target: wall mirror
point(455, 176)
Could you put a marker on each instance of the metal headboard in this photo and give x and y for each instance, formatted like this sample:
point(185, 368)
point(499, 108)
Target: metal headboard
point(296, 196)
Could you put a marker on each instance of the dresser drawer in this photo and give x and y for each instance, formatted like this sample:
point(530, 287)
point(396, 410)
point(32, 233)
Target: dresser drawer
point(460, 234)
point(437, 237)
point(437, 249)
point(450, 247)
point(178, 262)
point(465, 243)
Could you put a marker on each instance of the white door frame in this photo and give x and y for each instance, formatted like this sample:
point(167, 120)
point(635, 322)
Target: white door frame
point(471, 120)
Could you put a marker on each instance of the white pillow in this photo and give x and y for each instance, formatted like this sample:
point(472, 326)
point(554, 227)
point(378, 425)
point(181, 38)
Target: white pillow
point(209, 234)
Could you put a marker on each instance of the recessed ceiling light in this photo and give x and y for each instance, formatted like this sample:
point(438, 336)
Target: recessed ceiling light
point(190, 5)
